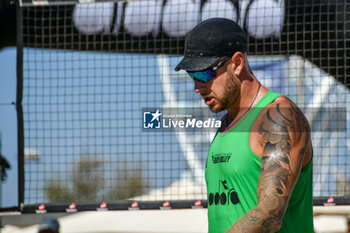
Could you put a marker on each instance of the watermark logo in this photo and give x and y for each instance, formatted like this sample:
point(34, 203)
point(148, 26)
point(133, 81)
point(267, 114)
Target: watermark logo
point(178, 119)
point(195, 120)
point(152, 120)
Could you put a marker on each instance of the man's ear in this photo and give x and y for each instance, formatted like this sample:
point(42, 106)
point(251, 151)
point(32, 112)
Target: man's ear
point(238, 62)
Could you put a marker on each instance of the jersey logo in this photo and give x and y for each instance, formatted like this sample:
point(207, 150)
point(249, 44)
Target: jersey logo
point(227, 196)
point(221, 158)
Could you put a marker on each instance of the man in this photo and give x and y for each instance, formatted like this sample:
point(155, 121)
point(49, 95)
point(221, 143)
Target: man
point(259, 167)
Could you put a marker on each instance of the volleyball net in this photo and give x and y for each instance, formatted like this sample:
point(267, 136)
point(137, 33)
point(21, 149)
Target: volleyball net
point(98, 97)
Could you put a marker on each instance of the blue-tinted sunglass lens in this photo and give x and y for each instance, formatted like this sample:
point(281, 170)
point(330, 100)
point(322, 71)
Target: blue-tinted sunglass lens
point(203, 76)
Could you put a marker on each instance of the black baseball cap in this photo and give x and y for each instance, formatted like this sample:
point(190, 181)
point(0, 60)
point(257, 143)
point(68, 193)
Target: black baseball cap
point(209, 40)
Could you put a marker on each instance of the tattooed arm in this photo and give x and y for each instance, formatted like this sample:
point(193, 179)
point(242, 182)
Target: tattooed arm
point(284, 136)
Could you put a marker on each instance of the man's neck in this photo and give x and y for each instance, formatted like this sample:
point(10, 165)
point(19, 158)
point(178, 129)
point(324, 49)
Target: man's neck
point(249, 96)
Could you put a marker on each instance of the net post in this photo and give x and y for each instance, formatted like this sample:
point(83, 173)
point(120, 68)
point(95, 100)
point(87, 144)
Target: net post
point(19, 109)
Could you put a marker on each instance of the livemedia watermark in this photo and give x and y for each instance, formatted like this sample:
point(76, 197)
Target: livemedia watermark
point(179, 119)
point(202, 119)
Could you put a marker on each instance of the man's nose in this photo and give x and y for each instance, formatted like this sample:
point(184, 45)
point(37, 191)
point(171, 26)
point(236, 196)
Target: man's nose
point(199, 87)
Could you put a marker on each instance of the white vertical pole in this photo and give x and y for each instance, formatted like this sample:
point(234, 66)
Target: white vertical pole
point(169, 94)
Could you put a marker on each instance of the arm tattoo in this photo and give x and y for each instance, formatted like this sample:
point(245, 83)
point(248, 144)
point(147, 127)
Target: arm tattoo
point(285, 135)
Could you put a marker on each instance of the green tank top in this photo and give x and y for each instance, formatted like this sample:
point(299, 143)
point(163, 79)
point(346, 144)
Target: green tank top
point(232, 174)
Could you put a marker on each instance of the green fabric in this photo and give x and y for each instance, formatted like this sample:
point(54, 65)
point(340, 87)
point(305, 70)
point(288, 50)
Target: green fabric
point(232, 174)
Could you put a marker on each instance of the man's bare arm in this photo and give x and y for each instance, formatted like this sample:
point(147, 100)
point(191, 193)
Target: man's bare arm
point(285, 135)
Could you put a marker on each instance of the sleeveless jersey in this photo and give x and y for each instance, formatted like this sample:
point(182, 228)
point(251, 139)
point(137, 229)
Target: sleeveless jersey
point(232, 174)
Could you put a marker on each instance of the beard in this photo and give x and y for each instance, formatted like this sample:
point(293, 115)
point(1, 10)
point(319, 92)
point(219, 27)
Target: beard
point(229, 95)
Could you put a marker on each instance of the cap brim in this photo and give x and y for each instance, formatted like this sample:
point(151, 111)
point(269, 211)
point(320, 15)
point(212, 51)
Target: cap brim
point(195, 63)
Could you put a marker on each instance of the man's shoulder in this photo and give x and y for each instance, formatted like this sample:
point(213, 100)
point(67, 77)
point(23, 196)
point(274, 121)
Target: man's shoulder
point(284, 104)
point(281, 100)
point(282, 112)
point(283, 123)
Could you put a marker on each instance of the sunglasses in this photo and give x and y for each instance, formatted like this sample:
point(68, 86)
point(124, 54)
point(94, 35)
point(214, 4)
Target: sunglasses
point(208, 74)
